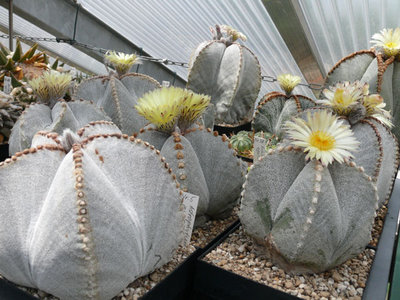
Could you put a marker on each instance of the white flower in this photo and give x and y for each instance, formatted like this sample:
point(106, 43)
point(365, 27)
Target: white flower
point(233, 33)
point(389, 40)
point(288, 82)
point(323, 136)
point(343, 96)
point(120, 61)
point(375, 107)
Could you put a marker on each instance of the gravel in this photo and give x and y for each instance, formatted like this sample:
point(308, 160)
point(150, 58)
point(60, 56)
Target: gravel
point(240, 255)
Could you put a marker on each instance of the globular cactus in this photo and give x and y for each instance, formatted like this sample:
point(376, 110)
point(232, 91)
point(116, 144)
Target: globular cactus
point(276, 108)
point(378, 67)
point(230, 73)
point(201, 159)
point(39, 117)
point(118, 92)
point(92, 214)
point(241, 142)
point(310, 212)
point(369, 121)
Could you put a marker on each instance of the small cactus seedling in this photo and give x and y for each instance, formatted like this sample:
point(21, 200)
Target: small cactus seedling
point(242, 142)
point(118, 92)
point(92, 214)
point(229, 72)
point(276, 108)
point(369, 121)
point(202, 160)
point(310, 211)
point(378, 67)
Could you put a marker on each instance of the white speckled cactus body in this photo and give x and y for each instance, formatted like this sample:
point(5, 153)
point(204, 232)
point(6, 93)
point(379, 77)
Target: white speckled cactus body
point(88, 221)
point(367, 117)
point(205, 165)
point(203, 161)
point(308, 218)
point(275, 109)
point(311, 212)
point(39, 117)
point(378, 154)
point(380, 72)
point(230, 73)
point(117, 95)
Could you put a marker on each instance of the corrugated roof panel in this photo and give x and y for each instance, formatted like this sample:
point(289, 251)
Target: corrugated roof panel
point(340, 27)
point(172, 29)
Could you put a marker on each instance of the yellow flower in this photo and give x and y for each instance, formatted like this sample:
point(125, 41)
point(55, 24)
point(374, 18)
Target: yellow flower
point(343, 96)
point(323, 136)
point(192, 107)
point(374, 106)
point(233, 33)
point(120, 61)
point(288, 82)
point(168, 107)
point(389, 40)
point(51, 85)
point(162, 107)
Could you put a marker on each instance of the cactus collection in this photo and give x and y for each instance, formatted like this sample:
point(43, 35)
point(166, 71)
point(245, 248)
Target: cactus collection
point(379, 67)
point(94, 185)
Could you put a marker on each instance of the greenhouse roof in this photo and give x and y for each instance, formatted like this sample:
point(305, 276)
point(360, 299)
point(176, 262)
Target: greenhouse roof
point(302, 37)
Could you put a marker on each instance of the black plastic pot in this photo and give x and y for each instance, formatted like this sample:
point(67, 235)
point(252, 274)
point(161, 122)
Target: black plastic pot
point(212, 282)
point(3, 152)
point(232, 130)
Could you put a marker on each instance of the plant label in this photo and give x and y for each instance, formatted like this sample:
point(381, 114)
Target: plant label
point(190, 203)
point(7, 88)
point(259, 147)
point(165, 83)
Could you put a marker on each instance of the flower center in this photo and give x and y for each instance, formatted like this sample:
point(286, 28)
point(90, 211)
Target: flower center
point(322, 140)
point(391, 44)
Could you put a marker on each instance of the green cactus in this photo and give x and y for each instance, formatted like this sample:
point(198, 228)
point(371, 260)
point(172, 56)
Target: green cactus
point(241, 142)
point(275, 109)
point(39, 117)
point(118, 92)
point(380, 68)
point(202, 160)
point(310, 216)
point(105, 209)
point(230, 73)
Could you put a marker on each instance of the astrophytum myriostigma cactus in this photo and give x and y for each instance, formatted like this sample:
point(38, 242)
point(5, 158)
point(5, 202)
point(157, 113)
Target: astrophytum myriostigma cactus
point(118, 92)
point(52, 114)
point(203, 161)
point(309, 212)
point(230, 73)
point(379, 67)
point(370, 123)
point(63, 115)
point(82, 217)
point(276, 108)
